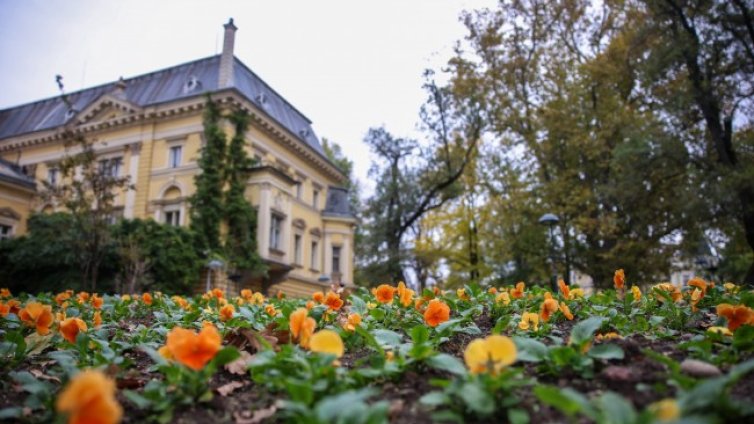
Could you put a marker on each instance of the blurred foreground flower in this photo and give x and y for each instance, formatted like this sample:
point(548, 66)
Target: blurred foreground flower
point(90, 398)
point(490, 354)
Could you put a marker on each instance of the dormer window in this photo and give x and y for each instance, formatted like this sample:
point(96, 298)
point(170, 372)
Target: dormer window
point(70, 113)
point(193, 84)
point(304, 133)
point(262, 100)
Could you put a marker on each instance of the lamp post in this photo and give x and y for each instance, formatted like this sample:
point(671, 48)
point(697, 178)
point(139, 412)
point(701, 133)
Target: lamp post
point(212, 265)
point(550, 220)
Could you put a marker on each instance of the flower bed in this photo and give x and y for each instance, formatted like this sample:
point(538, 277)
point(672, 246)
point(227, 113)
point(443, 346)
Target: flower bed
point(518, 354)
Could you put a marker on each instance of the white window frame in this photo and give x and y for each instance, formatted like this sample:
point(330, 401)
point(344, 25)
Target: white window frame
point(314, 255)
point(298, 244)
point(315, 198)
point(52, 175)
point(339, 249)
point(276, 231)
point(172, 156)
point(11, 230)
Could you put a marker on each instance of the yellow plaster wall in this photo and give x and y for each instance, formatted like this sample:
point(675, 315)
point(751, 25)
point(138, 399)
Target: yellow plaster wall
point(19, 200)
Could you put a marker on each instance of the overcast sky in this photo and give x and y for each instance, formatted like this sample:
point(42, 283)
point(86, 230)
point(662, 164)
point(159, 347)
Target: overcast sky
point(347, 65)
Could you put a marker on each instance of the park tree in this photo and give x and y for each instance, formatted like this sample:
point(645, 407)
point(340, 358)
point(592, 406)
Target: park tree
point(564, 107)
point(414, 178)
point(698, 65)
point(86, 189)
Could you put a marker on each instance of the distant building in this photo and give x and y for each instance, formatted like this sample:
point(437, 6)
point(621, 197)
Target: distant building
point(149, 127)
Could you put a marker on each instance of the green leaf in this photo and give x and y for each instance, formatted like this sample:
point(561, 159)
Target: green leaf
point(617, 409)
point(140, 401)
point(377, 313)
point(387, 338)
point(448, 325)
point(12, 412)
point(565, 400)
point(518, 416)
point(477, 399)
point(358, 305)
point(743, 338)
point(584, 331)
point(420, 334)
point(530, 350)
point(606, 351)
point(226, 356)
point(434, 399)
point(445, 362)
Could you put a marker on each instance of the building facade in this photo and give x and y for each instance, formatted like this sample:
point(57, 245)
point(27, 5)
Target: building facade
point(150, 128)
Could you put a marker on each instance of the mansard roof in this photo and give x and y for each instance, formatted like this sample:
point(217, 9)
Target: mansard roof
point(11, 173)
point(182, 81)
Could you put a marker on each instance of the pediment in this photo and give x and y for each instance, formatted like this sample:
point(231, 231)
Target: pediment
point(9, 213)
point(105, 108)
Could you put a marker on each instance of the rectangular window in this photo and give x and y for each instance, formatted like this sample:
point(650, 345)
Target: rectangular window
point(174, 159)
point(315, 256)
point(297, 249)
point(6, 231)
point(336, 259)
point(110, 167)
point(299, 189)
point(315, 199)
point(52, 176)
point(275, 231)
point(173, 218)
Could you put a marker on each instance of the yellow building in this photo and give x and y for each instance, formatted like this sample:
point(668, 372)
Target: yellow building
point(150, 128)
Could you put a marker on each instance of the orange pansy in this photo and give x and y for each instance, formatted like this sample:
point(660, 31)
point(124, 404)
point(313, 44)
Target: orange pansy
point(619, 279)
point(146, 298)
point(70, 328)
point(191, 349)
point(318, 297)
point(36, 315)
point(5, 293)
point(83, 297)
point(62, 297)
point(4, 310)
point(518, 292)
point(97, 301)
point(226, 312)
point(384, 293)
point(97, 319)
point(564, 289)
point(736, 315)
point(90, 398)
point(700, 284)
point(217, 293)
point(333, 301)
point(270, 310)
point(548, 307)
point(437, 312)
point(566, 311)
point(353, 321)
point(246, 294)
point(405, 296)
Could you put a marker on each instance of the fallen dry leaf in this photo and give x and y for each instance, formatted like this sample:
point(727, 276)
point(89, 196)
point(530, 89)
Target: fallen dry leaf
point(39, 374)
point(246, 417)
point(229, 388)
point(240, 365)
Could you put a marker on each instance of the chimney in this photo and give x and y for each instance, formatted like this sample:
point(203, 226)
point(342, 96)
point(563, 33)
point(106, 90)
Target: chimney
point(225, 77)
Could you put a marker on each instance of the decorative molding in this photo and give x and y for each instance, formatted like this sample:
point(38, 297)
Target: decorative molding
point(299, 223)
point(315, 232)
point(7, 212)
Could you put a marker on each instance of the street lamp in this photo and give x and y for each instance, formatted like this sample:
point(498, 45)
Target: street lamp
point(550, 220)
point(213, 265)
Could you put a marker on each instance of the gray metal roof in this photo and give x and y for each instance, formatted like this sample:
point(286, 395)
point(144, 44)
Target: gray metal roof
point(337, 203)
point(12, 173)
point(159, 87)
